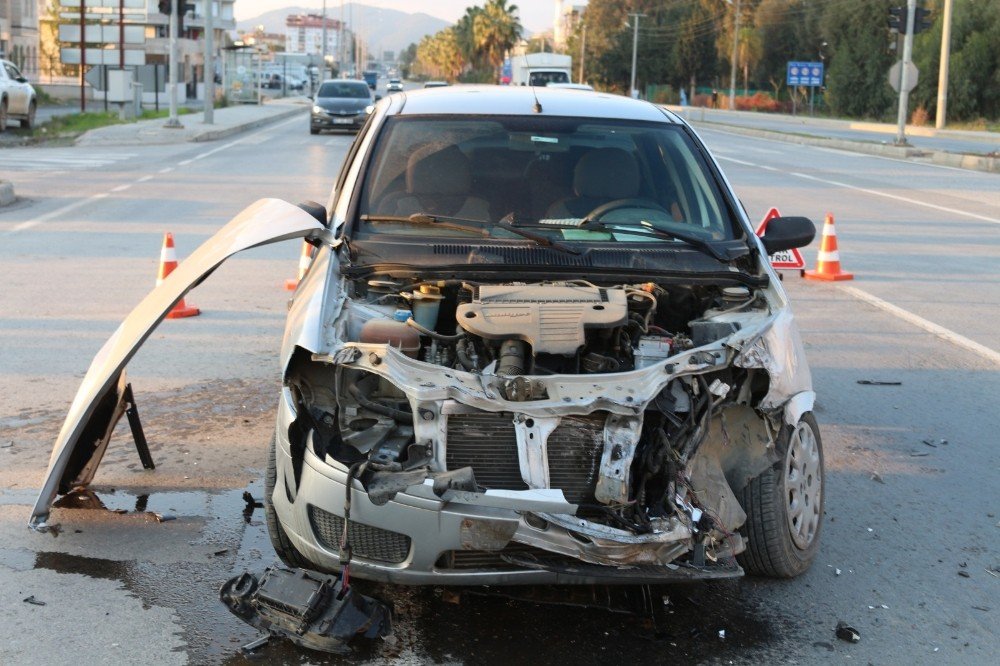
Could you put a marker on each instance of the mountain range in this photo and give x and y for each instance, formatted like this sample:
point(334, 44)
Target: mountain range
point(383, 29)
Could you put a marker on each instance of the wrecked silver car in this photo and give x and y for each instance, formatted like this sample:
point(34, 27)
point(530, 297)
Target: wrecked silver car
point(539, 342)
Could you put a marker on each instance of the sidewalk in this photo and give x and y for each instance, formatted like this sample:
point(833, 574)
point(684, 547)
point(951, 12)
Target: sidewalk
point(979, 151)
point(227, 121)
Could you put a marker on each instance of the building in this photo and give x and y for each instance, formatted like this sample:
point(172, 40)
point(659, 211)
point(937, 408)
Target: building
point(272, 41)
point(304, 34)
point(19, 34)
point(567, 16)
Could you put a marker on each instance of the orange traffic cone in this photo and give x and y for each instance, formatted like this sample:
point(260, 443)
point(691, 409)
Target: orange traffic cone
point(305, 260)
point(828, 260)
point(168, 262)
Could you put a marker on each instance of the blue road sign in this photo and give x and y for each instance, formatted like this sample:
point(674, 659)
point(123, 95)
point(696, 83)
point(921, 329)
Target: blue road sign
point(804, 74)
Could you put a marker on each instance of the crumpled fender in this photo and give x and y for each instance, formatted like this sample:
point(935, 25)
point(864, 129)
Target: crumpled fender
point(263, 222)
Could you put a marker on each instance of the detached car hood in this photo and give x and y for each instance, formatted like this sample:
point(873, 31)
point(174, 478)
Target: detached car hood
point(98, 403)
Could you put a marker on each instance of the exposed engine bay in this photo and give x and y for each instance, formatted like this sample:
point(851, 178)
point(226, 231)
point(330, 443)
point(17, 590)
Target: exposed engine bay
point(618, 420)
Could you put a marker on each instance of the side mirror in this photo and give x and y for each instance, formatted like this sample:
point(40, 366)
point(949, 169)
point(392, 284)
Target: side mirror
point(21, 79)
point(318, 211)
point(785, 233)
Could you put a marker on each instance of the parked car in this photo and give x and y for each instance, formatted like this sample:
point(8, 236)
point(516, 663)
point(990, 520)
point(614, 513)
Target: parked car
point(539, 342)
point(340, 104)
point(18, 100)
point(394, 85)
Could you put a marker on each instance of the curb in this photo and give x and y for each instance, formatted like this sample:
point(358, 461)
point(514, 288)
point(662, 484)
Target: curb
point(940, 157)
point(6, 193)
point(215, 135)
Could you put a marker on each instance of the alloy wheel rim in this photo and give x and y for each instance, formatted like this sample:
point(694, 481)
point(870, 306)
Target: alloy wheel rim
point(803, 486)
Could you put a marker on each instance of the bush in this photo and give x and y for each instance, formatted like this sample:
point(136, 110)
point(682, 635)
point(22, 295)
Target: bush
point(759, 101)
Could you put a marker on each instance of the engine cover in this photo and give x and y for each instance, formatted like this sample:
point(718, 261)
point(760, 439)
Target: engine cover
point(550, 317)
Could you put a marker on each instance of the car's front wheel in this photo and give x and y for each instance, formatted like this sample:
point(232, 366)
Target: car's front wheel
point(282, 544)
point(28, 122)
point(3, 115)
point(784, 506)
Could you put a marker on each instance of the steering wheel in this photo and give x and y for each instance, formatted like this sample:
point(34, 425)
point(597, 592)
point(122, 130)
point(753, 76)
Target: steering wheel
point(618, 204)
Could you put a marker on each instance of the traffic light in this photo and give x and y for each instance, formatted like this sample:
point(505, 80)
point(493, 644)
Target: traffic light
point(921, 20)
point(897, 19)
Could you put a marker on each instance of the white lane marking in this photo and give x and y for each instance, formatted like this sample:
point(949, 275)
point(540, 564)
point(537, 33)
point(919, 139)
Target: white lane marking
point(896, 197)
point(121, 188)
point(80, 202)
point(929, 326)
point(185, 163)
point(827, 181)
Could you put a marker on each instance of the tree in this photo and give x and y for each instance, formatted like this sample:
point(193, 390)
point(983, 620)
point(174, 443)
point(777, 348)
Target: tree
point(497, 29)
point(856, 79)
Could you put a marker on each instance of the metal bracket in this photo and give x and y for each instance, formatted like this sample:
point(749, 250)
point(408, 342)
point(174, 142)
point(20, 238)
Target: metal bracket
point(132, 412)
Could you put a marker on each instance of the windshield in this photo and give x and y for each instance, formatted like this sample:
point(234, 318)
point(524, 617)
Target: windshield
point(545, 78)
point(344, 89)
point(569, 179)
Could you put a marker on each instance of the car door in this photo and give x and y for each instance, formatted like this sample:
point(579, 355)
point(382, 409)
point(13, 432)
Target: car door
point(99, 402)
point(18, 95)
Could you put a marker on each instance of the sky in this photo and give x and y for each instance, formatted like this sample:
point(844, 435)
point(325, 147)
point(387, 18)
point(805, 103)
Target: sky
point(536, 15)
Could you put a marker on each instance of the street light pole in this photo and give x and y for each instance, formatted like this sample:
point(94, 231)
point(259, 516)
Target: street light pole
point(583, 51)
point(635, 50)
point(736, 46)
point(324, 41)
point(904, 93)
point(942, 97)
point(173, 122)
point(209, 67)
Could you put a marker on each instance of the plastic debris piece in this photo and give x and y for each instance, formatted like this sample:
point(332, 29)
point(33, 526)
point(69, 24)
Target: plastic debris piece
point(219, 553)
point(876, 382)
point(253, 646)
point(164, 517)
point(309, 609)
point(918, 454)
point(929, 443)
point(252, 501)
point(7, 445)
point(846, 632)
point(877, 477)
point(836, 572)
point(722, 634)
point(33, 601)
point(870, 529)
point(965, 574)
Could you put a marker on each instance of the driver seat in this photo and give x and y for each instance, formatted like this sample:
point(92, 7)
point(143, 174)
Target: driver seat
point(438, 182)
point(601, 176)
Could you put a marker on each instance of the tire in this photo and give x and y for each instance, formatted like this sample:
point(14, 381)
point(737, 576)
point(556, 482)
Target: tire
point(313, 130)
point(283, 546)
point(3, 115)
point(784, 506)
point(29, 121)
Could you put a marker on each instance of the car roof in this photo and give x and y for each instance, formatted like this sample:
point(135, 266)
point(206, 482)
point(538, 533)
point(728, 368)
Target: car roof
point(345, 81)
point(520, 100)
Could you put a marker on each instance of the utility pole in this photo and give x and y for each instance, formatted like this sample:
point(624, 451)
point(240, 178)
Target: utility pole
point(736, 46)
point(632, 92)
point(209, 67)
point(583, 51)
point(172, 121)
point(324, 39)
point(942, 98)
point(904, 92)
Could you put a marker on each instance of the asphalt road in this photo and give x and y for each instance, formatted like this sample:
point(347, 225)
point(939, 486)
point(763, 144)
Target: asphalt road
point(912, 532)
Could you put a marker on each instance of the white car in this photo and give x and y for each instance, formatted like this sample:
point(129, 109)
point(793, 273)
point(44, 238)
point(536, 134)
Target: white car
point(18, 100)
point(539, 342)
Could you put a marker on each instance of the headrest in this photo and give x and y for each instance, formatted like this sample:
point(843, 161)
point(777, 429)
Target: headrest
point(436, 170)
point(609, 173)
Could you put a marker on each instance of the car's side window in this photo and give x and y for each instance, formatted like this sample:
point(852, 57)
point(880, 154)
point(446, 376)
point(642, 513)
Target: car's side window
point(12, 71)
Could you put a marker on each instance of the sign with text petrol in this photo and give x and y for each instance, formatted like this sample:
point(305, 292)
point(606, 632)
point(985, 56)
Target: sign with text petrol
point(804, 74)
point(791, 259)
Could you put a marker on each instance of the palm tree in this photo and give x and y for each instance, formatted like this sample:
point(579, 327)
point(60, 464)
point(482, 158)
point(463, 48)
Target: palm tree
point(497, 29)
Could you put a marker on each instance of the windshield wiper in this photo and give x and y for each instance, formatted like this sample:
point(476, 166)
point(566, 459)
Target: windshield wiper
point(647, 229)
point(423, 219)
point(455, 224)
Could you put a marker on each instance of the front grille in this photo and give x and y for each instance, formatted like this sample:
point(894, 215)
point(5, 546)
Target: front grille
point(485, 442)
point(371, 543)
point(575, 449)
point(489, 559)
